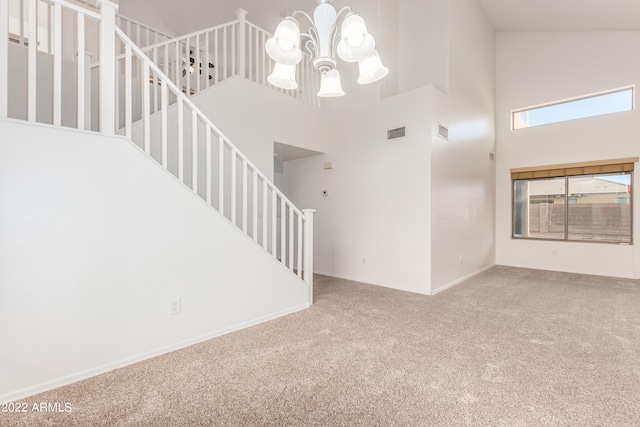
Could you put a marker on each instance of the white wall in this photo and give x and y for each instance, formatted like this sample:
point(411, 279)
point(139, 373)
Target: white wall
point(462, 174)
point(387, 45)
point(253, 117)
point(412, 207)
point(95, 241)
point(377, 205)
point(413, 41)
point(535, 68)
point(423, 44)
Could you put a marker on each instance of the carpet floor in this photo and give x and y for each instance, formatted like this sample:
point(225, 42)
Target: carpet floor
point(509, 347)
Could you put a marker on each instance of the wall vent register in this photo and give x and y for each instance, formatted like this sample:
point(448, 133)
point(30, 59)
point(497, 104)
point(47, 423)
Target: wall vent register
point(443, 132)
point(396, 133)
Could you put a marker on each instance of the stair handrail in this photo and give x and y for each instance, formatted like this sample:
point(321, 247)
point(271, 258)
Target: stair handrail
point(185, 99)
point(120, 20)
point(305, 217)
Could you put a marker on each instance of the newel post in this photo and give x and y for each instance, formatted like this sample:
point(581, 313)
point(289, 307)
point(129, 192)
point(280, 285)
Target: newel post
point(4, 59)
point(308, 250)
point(107, 66)
point(242, 42)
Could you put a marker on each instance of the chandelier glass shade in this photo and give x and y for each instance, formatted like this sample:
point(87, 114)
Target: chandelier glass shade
point(356, 43)
point(283, 76)
point(323, 41)
point(371, 69)
point(285, 43)
point(330, 84)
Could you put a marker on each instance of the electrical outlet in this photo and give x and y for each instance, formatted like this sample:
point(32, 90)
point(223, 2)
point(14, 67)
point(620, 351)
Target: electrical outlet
point(175, 306)
point(364, 260)
point(460, 260)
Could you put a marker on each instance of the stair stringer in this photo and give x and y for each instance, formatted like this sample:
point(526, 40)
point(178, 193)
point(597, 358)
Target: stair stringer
point(97, 243)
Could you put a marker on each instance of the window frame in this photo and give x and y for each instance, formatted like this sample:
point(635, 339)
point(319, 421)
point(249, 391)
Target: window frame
point(570, 100)
point(571, 170)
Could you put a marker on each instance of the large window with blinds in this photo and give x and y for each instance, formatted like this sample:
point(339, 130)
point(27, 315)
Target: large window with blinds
point(585, 202)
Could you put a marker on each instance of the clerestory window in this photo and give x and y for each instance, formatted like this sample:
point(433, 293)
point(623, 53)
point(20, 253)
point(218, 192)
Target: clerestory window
point(614, 101)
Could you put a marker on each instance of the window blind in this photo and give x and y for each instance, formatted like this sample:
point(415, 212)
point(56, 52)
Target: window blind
point(572, 169)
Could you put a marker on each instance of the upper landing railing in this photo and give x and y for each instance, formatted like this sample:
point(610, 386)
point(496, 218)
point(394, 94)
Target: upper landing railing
point(141, 34)
point(178, 136)
point(204, 58)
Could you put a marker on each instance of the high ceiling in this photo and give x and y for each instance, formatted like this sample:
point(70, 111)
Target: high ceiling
point(180, 17)
point(563, 15)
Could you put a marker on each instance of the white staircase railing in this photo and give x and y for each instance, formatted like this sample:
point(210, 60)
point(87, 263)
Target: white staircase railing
point(39, 42)
point(178, 135)
point(234, 48)
point(198, 60)
point(141, 34)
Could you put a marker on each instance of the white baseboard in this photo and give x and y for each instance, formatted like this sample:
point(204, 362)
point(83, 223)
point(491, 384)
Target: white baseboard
point(392, 286)
point(570, 270)
point(69, 379)
point(371, 282)
point(460, 280)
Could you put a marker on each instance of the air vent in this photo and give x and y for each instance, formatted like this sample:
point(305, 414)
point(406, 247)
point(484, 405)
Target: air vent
point(396, 133)
point(443, 132)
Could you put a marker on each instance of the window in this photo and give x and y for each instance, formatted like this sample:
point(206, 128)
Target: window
point(539, 210)
point(588, 106)
point(587, 202)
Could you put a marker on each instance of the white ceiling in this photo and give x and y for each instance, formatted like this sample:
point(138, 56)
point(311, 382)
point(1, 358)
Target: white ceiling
point(563, 15)
point(180, 17)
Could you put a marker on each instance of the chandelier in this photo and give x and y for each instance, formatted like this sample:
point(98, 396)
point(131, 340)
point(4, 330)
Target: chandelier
point(322, 41)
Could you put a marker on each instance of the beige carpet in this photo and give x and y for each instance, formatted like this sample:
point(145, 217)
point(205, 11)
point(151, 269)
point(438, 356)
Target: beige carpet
point(510, 347)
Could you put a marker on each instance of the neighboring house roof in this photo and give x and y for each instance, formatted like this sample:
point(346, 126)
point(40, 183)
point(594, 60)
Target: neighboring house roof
point(585, 185)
